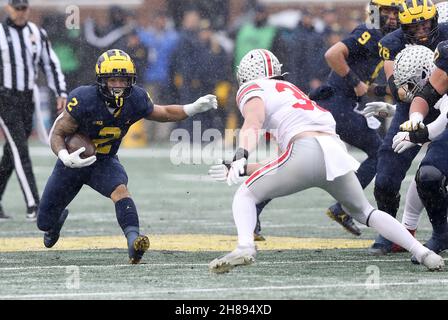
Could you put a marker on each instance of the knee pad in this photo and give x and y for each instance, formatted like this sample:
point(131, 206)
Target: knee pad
point(387, 200)
point(431, 187)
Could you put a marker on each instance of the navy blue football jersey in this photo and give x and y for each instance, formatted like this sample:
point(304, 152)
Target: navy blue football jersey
point(394, 42)
point(441, 56)
point(363, 58)
point(87, 106)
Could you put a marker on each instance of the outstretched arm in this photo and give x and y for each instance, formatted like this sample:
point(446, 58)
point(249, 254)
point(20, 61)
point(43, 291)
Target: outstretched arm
point(171, 113)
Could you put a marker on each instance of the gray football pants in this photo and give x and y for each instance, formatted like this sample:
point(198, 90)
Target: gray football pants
point(302, 167)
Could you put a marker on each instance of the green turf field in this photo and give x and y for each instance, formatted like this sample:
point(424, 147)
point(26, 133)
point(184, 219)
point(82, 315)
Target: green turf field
point(189, 221)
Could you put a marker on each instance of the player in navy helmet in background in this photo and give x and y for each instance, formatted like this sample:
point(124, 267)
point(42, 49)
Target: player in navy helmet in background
point(355, 65)
point(418, 25)
point(104, 112)
point(431, 177)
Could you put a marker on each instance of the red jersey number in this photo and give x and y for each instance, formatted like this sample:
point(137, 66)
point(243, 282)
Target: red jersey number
point(303, 102)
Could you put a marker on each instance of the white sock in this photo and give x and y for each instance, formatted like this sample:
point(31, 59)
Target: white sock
point(413, 208)
point(245, 216)
point(391, 229)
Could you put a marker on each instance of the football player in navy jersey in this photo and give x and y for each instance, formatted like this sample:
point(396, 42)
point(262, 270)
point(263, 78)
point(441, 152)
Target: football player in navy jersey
point(431, 177)
point(355, 65)
point(418, 25)
point(104, 112)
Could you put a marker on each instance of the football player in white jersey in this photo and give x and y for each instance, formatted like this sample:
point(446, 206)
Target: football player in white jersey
point(313, 156)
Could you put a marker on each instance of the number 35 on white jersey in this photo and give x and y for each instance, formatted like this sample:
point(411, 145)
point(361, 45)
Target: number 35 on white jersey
point(288, 110)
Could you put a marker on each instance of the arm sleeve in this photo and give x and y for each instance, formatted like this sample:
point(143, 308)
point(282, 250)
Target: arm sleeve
point(51, 66)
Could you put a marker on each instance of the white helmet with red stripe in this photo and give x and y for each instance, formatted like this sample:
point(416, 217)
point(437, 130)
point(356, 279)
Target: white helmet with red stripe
point(258, 64)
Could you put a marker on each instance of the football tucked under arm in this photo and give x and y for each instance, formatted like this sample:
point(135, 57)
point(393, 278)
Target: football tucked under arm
point(66, 126)
point(80, 140)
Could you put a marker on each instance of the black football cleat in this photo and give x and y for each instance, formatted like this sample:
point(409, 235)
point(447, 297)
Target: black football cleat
point(336, 213)
point(140, 246)
point(52, 236)
point(438, 242)
point(381, 246)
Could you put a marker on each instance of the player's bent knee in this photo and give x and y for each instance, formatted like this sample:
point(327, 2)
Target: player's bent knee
point(430, 180)
point(43, 223)
point(119, 193)
point(244, 192)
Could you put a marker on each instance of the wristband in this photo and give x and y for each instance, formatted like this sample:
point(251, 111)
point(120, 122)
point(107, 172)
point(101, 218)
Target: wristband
point(351, 79)
point(419, 136)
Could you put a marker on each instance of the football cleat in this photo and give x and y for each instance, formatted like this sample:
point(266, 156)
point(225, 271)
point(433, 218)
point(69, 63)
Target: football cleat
point(52, 236)
point(438, 242)
point(336, 213)
point(259, 237)
point(257, 231)
point(31, 215)
point(241, 256)
point(396, 248)
point(381, 246)
point(432, 261)
point(139, 247)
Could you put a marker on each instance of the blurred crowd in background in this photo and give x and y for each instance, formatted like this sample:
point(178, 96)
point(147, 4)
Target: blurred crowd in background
point(191, 48)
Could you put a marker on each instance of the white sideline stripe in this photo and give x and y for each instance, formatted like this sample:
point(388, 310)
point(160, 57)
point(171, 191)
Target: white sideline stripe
point(199, 264)
point(18, 166)
point(230, 289)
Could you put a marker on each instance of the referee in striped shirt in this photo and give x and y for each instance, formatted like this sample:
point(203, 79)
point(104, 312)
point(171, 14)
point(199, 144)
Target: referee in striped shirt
point(23, 48)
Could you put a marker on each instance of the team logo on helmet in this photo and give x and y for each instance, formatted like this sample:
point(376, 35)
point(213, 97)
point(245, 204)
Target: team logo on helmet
point(414, 13)
point(115, 64)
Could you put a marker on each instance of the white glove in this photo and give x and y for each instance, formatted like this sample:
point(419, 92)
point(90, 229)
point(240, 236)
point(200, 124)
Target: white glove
point(237, 171)
point(414, 122)
point(378, 109)
point(401, 142)
point(219, 171)
point(203, 104)
point(73, 160)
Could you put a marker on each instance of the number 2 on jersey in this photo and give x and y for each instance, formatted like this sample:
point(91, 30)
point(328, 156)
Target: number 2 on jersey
point(303, 102)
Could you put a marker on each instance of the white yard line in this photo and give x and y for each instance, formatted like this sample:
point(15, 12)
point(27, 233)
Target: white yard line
point(198, 264)
point(227, 290)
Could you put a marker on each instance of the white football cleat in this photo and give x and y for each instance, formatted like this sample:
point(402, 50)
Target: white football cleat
point(241, 256)
point(432, 261)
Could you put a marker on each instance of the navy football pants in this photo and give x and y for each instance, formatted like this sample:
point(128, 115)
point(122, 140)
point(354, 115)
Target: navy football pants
point(104, 176)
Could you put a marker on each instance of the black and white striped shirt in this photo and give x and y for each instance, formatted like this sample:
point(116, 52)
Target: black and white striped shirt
point(22, 50)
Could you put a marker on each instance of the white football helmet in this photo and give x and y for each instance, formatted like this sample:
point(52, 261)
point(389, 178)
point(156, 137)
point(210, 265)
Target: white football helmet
point(442, 10)
point(412, 68)
point(258, 64)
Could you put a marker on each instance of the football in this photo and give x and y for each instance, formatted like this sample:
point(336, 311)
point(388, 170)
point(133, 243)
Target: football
point(78, 140)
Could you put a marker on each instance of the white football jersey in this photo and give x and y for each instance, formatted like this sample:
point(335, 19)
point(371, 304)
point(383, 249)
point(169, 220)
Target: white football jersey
point(288, 110)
